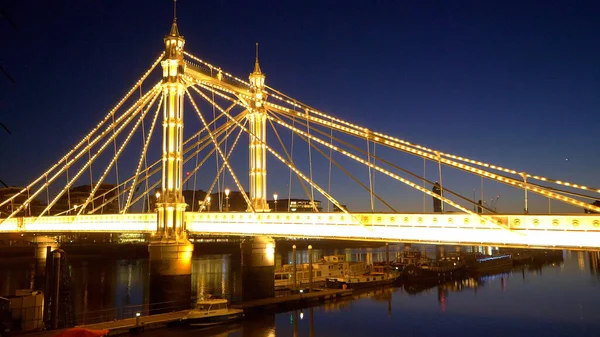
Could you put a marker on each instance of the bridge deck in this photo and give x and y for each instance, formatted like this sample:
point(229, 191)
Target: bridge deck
point(561, 231)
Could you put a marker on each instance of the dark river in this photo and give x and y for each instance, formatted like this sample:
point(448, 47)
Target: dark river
point(556, 298)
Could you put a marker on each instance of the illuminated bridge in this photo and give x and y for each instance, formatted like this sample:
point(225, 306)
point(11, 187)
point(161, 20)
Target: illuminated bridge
point(148, 173)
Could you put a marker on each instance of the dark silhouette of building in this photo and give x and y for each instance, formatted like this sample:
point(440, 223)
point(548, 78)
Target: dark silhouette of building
point(295, 205)
point(105, 200)
point(34, 208)
point(595, 203)
point(437, 203)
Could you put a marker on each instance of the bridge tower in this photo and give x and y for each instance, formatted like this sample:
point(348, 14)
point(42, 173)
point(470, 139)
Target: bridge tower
point(258, 127)
point(170, 251)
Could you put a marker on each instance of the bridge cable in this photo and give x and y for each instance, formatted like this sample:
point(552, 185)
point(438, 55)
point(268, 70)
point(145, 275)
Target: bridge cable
point(47, 194)
point(146, 201)
point(149, 174)
point(384, 161)
point(220, 188)
point(228, 154)
point(330, 158)
point(441, 183)
point(267, 146)
point(290, 159)
point(294, 102)
point(69, 190)
point(145, 146)
point(329, 179)
point(370, 179)
point(229, 168)
point(424, 186)
point(119, 151)
point(90, 161)
point(290, 180)
point(116, 163)
point(312, 190)
point(92, 158)
point(395, 176)
point(78, 145)
point(469, 169)
point(158, 169)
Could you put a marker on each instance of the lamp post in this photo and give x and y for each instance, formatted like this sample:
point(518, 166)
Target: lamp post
point(275, 198)
point(227, 200)
point(208, 203)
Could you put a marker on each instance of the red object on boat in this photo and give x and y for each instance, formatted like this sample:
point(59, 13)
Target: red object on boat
point(81, 332)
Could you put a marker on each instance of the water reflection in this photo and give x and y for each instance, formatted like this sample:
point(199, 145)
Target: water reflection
point(551, 296)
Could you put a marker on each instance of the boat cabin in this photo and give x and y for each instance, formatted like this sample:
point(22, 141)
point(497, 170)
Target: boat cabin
point(211, 305)
point(334, 258)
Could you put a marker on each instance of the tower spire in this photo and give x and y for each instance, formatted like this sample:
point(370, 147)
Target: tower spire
point(256, 65)
point(174, 30)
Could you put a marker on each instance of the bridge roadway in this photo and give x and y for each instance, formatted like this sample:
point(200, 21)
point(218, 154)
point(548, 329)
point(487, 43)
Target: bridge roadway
point(547, 231)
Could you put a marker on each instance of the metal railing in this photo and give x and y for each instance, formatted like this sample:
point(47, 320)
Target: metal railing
point(130, 311)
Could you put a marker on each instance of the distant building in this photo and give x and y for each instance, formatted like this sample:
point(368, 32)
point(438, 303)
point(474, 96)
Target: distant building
point(294, 205)
point(34, 208)
point(105, 200)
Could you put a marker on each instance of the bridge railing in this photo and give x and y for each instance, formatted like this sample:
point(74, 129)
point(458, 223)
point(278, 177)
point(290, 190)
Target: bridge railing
point(512, 230)
point(122, 223)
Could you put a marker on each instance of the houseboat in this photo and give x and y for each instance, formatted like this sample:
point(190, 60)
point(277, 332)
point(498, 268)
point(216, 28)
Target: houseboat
point(379, 276)
point(435, 271)
point(488, 264)
point(328, 266)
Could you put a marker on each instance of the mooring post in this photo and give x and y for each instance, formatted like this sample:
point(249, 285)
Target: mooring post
point(310, 269)
point(55, 300)
point(294, 267)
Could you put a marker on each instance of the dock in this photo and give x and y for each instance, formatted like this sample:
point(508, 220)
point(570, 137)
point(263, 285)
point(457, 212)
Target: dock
point(124, 326)
point(293, 300)
point(127, 325)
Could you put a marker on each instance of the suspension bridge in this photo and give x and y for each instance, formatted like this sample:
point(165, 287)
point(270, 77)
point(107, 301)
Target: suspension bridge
point(148, 198)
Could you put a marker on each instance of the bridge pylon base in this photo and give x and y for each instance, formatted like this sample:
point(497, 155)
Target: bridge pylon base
point(258, 268)
point(41, 254)
point(170, 275)
point(171, 257)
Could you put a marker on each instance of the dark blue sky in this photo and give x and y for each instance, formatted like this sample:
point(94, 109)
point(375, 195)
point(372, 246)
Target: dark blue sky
point(513, 83)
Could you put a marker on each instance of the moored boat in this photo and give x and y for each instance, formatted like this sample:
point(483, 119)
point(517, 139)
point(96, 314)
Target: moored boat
point(488, 264)
point(381, 275)
point(435, 271)
point(212, 311)
point(328, 266)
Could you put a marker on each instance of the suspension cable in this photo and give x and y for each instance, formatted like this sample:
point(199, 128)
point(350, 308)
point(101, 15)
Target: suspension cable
point(291, 158)
point(329, 177)
point(230, 169)
point(370, 179)
point(118, 153)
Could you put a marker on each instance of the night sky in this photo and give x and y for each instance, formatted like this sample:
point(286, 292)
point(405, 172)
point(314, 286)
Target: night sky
point(513, 83)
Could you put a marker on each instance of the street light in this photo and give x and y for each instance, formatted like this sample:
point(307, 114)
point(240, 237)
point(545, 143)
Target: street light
point(275, 198)
point(157, 195)
point(208, 203)
point(227, 200)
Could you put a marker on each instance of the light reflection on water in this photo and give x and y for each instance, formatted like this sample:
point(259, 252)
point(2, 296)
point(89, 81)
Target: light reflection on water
point(555, 299)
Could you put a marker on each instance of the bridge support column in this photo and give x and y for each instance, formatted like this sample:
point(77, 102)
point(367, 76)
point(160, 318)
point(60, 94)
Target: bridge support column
point(170, 275)
point(44, 245)
point(258, 268)
point(170, 251)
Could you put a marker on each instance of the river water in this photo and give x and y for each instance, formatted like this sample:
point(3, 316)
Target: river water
point(558, 298)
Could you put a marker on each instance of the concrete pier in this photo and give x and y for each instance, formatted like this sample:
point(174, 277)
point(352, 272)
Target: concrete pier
point(170, 275)
point(258, 268)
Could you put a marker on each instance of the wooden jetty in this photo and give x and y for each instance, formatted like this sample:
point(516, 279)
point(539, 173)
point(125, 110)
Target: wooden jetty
point(138, 324)
point(293, 300)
